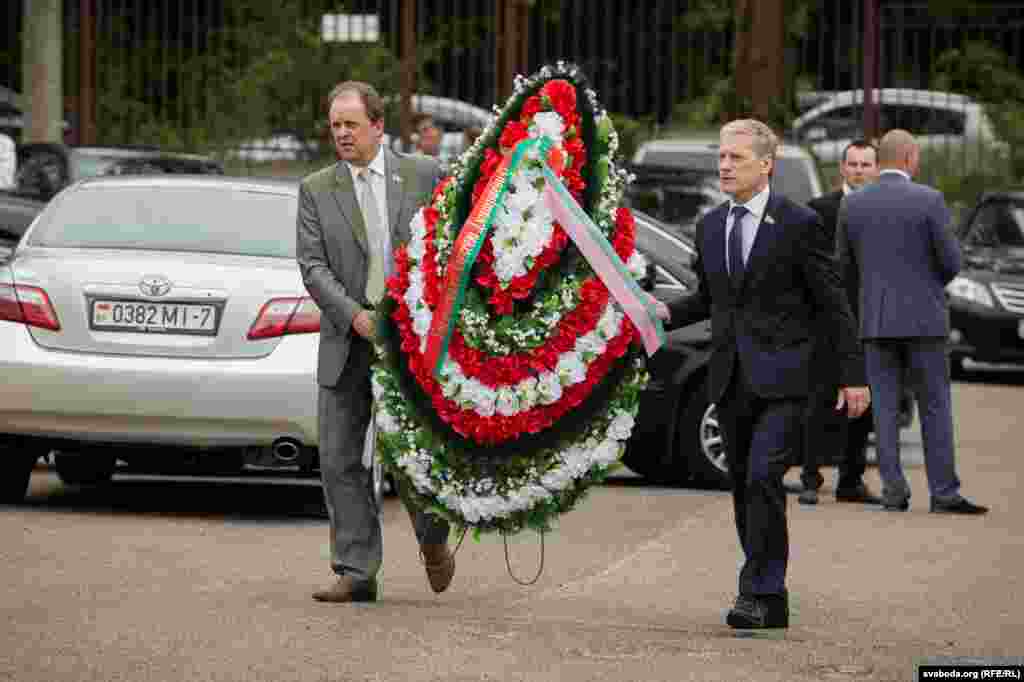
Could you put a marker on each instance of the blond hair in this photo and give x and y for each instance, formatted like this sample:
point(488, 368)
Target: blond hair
point(765, 142)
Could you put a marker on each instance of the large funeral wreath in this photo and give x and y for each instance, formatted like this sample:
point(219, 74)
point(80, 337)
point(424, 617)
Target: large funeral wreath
point(538, 389)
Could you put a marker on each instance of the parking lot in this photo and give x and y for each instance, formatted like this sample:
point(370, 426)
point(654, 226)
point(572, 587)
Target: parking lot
point(209, 579)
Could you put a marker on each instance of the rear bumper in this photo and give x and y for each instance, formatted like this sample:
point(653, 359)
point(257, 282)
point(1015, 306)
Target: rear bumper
point(158, 401)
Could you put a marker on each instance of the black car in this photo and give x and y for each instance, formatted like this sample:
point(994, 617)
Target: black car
point(677, 438)
point(16, 214)
point(677, 197)
point(45, 168)
point(986, 300)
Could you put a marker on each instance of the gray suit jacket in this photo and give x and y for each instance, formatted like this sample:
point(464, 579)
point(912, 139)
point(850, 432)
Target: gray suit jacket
point(332, 247)
point(897, 234)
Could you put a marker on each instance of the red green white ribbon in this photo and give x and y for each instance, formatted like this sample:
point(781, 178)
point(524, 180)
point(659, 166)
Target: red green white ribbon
point(466, 249)
point(604, 261)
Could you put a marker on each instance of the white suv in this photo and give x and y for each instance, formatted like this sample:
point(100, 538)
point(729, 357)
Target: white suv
point(941, 121)
point(795, 176)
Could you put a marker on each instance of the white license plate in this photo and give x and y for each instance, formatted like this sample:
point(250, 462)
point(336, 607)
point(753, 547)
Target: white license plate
point(144, 316)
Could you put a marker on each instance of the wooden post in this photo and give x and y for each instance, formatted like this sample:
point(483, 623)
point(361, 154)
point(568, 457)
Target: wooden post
point(511, 44)
point(42, 71)
point(408, 85)
point(759, 59)
point(86, 132)
point(872, 48)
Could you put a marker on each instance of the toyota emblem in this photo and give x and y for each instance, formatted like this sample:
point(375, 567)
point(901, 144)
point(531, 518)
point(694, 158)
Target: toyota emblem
point(155, 285)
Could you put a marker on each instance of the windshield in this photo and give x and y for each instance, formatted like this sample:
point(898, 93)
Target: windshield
point(191, 219)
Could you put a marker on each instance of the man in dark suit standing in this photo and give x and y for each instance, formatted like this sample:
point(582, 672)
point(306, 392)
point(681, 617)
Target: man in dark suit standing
point(825, 430)
point(350, 217)
point(766, 273)
point(897, 234)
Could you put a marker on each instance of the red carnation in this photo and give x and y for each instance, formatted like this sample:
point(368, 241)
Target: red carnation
point(562, 96)
point(531, 107)
point(513, 134)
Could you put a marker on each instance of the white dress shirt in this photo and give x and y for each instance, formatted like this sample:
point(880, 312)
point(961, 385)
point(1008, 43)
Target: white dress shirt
point(756, 208)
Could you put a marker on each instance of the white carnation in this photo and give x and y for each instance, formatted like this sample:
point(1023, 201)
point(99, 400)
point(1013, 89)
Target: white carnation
point(591, 343)
point(571, 369)
point(621, 426)
point(549, 388)
point(547, 124)
point(421, 318)
point(508, 401)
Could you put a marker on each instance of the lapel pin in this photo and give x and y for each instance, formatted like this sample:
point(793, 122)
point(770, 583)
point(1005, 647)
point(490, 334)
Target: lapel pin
point(395, 177)
point(770, 220)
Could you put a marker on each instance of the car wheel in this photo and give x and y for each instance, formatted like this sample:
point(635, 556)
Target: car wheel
point(84, 469)
point(14, 482)
point(700, 442)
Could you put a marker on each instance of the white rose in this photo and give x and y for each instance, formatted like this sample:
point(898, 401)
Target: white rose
point(549, 388)
point(621, 426)
point(607, 453)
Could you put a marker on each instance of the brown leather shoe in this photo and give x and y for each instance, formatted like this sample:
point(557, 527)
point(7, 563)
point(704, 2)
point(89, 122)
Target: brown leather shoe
point(348, 589)
point(440, 565)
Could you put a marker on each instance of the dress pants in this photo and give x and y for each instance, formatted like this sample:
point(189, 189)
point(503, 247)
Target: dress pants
point(344, 414)
point(923, 362)
point(828, 431)
point(761, 436)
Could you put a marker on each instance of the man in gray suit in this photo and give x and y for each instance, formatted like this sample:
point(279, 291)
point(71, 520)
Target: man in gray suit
point(351, 216)
point(896, 233)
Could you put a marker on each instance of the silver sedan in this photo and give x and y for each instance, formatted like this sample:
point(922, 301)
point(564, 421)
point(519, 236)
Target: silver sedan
point(158, 321)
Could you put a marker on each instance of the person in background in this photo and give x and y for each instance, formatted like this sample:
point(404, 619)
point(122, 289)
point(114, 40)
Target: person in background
point(426, 135)
point(827, 432)
point(897, 235)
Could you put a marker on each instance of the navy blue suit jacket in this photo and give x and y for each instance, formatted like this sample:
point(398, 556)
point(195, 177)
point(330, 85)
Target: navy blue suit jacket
point(897, 234)
point(790, 290)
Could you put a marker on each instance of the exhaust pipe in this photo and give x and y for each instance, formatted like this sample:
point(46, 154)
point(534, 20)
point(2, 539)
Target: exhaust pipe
point(286, 449)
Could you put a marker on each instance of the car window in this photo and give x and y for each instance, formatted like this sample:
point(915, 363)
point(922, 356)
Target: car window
point(925, 120)
point(190, 219)
point(840, 123)
point(997, 223)
point(706, 161)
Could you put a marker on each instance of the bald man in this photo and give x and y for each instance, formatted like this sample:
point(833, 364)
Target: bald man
point(897, 235)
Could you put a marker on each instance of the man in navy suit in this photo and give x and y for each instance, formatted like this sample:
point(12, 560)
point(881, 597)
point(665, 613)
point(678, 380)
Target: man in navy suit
point(766, 275)
point(896, 233)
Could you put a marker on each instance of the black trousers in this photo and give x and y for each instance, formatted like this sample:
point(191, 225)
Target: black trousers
point(761, 437)
point(827, 432)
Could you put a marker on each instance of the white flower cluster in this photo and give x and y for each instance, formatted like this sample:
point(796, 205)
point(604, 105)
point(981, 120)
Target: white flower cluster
point(480, 500)
point(544, 389)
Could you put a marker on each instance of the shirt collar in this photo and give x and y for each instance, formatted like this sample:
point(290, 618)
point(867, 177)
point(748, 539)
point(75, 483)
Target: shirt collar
point(377, 166)
point(757, 204)
point(896, 171)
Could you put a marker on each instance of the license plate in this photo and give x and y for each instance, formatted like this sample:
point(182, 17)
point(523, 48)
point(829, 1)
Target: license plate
point(160, 318)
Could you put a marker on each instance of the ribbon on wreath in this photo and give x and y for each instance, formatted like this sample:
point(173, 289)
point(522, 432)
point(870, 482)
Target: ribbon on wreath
point(576, 223)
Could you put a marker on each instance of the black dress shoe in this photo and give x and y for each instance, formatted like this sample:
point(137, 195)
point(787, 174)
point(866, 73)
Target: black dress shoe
point(759, 612)
point(857, 493)
point(960, 506)
point(896, 505)
point(808, 496)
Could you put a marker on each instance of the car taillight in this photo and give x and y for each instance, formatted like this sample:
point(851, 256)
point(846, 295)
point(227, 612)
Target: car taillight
point(28, 305)
point(280, 316)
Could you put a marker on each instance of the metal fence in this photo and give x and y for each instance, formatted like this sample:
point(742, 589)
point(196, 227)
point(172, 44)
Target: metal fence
point(246, 79)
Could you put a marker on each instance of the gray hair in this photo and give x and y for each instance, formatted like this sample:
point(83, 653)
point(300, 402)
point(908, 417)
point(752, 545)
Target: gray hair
point(765, 142)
